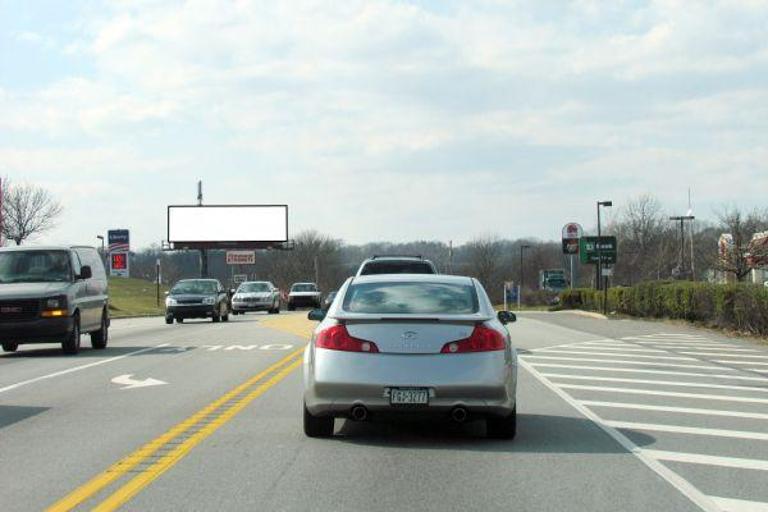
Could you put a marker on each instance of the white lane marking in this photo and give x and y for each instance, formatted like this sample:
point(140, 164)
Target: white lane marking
point(679, 483)
point(681, 410)
point(645, 339)
point(675, 394)
point(734, 505)
point(211, 348)
point(689, 347)
point(621, 354)
point(240, 347)
point(276, 346)
point(592, 378)
point(758, 363)
point(721, 354)
point(130, 383)
point(708, 460)
point(622, 347)
point(655, 372)
point(78, 368)
point(622, 361)
point(676, 429)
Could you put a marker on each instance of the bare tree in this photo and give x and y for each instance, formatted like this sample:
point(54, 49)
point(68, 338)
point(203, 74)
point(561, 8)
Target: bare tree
point(737, 260)
point(484, 254)
point(28, 210)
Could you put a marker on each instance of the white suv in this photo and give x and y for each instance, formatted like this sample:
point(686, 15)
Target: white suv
point(396, 265)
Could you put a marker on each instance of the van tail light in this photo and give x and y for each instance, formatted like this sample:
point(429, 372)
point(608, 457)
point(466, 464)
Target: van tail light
point(482, 339)
point(338, 338)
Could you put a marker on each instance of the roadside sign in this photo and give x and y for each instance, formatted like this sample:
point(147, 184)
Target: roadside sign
point(118, 264)
point(571, 234)
point(588, 247)
point(118, 240)
point(240, 278)
point(607, 271)
point(241, 257)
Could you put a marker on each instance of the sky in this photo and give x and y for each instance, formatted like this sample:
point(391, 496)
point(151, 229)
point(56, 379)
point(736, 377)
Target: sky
point(384, 120)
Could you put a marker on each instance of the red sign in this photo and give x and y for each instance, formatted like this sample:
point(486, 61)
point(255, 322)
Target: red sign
point(119, 261)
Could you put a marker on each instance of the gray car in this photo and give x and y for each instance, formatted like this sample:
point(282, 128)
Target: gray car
point(256, 296)
point(408, 344)
point(52, 295)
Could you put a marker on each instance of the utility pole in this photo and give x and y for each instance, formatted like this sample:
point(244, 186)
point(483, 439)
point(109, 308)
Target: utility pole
point(317, 271)
point(682, 219)
point(203, 252)
point(450, 257)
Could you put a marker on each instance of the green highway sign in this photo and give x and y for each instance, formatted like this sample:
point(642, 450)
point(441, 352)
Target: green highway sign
point(588, 249)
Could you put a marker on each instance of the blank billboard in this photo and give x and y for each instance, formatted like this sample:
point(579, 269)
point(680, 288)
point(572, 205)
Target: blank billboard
point(227, 224)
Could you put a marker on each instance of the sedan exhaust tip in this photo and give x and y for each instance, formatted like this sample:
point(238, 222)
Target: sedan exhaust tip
point(459, 414)
point(359, 413)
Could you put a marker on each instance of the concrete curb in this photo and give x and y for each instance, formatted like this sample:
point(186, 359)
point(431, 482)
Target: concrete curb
point(589, 314)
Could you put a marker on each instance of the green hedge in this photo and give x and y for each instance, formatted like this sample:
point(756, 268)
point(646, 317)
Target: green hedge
point(742, 307)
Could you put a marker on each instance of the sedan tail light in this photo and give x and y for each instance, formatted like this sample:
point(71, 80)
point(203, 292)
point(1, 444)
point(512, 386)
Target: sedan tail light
point(482, 339)
point(338, 338)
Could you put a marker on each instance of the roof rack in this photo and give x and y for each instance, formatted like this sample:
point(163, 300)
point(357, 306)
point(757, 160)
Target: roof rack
point(377, 256)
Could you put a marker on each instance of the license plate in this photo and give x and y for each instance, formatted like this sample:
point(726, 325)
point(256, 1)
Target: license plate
point(408, 396)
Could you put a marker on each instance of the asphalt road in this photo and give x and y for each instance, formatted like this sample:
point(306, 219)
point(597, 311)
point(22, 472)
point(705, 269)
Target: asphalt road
point(613, 415)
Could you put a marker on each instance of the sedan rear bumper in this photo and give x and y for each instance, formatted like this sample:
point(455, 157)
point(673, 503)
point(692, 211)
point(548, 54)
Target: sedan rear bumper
point(482, 383)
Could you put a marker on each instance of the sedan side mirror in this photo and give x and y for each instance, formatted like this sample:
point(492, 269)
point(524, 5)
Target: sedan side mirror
point(318, 315)
point(506, 317)
point(85, 272)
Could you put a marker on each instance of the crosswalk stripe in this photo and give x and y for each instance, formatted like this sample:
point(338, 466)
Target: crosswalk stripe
point(676, 429)
point(652, 381)
point(641, 370)
point(674, 394)
point(721, 354)
point(621, 361)
point(573, 350)
point(709, 460)
point(740, 362)
point(681, 410)
point(734, 505)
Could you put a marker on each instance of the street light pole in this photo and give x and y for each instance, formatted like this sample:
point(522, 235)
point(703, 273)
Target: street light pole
point(682, 219)
point(522, 276)
point(103, 250)
point(601, 281)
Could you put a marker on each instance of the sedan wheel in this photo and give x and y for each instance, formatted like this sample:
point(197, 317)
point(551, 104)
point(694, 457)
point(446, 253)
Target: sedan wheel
point(317, 426)
point(502, 428)
point(10, 346)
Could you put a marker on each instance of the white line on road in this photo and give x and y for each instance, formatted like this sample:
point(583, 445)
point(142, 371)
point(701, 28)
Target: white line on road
point(734, 505)
point(592, 378)
point(679, 483)
point(675, 429)
point(720, 354)
point(675, 394)
point(621, 354)
point(695, 345)
point(681, 410)
point(655, 372)
point(78, 368)
point(740, 362)
point(622, 361)
point(623, 347)
point(708, 460)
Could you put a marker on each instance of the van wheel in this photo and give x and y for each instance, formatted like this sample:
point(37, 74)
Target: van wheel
point(179, 320)
point(71, 345)
point(502, 428)
point(10, 346)
point(169, 320)
point(317, 426)
point(291, 307)
point(100, 338)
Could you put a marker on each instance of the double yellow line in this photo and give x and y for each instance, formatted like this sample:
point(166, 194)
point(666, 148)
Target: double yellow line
point(193, 431)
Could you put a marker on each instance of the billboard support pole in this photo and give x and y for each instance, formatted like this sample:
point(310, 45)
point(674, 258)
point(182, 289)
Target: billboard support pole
point(571, 258)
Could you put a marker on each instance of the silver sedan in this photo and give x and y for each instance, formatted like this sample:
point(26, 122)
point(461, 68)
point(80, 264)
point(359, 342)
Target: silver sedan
point(408, 344)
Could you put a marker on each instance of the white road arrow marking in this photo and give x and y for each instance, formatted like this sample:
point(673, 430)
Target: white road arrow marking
point(129, 383)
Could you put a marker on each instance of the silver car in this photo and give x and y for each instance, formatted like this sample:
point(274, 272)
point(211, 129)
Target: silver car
point(256, 296)
point(409, 344)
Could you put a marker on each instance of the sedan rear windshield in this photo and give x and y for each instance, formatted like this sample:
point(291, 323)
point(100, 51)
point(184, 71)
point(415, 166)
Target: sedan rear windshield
point(411, 298)
point(397, 267)
point(35, 266)
point(253, 287)
point(194, 287)
point(304, 288)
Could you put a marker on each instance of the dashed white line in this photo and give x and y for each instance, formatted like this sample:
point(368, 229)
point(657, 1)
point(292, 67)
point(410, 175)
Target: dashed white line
point(79, 368)
point(622, 361)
